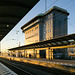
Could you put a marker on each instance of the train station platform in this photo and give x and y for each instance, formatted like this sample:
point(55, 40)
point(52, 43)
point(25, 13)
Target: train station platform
point(5, 70)
point(67, 65)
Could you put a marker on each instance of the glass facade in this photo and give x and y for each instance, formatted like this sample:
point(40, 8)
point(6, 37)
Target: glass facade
point(52, 25)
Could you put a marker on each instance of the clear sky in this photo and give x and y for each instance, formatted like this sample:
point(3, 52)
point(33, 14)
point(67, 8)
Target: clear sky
point(15, 36)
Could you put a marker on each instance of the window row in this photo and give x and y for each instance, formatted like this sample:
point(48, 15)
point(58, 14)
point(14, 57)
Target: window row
point(49, 16)
point(31, 30)
point(32, 36)
point(47, 31)
point(48, 38)
point(33, 41)
point(49, 23)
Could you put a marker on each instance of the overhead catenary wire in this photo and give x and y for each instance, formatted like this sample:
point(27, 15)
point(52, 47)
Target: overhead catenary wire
point(60, 16)
point(48, 6)
point(52, 3)
point(45, 5)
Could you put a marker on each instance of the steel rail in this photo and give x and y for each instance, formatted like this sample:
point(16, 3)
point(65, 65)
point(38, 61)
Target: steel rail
point(14, 65)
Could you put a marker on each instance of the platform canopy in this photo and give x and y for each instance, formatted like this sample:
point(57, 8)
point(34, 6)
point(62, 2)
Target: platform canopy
point(55, 42)
point(11, 12)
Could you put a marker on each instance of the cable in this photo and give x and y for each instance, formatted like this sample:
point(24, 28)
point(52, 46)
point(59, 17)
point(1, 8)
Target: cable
point(52, 3)
point(71, 24)
point(49, 6)
point(67, 2)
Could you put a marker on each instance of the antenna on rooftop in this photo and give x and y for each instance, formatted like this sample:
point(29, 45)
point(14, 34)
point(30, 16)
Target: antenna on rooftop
point(45, 5)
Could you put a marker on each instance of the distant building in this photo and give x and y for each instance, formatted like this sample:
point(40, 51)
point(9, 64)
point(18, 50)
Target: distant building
point(46, 26)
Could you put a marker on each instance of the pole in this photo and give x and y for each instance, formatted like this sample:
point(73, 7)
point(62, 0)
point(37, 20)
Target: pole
point(45, 5)
point(34, 52)
point(0, 47)
point(24, 53)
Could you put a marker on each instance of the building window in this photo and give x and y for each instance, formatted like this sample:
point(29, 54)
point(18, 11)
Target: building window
point(50, 37)
point(49, 16)
point(50, 22)
point(46, 31)
point(36, 27)
point(46, 24)
point(50, 30)
point(36, 40)
point(44, 39)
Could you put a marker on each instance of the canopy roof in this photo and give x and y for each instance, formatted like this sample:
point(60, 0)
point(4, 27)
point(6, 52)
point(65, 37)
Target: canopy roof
point(60, 41)
point(11, 12)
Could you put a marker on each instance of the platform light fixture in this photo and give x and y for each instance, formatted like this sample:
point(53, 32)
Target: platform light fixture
point(1, 35)
point(7, 25)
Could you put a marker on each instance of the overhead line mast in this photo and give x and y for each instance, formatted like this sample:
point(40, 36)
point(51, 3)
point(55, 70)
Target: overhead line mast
point(45, 5)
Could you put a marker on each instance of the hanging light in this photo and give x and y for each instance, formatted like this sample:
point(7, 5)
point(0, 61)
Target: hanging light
point(7, 25)
point(1, 35)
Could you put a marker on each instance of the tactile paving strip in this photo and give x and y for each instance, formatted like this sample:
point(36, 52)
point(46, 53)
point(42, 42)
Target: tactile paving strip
point(5, 70)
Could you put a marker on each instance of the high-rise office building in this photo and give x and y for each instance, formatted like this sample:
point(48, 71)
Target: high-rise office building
point(46, 26)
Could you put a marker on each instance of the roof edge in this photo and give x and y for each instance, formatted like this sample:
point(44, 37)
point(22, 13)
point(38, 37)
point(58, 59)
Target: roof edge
point(35, 18)
point(58, 9)
point(43, 14)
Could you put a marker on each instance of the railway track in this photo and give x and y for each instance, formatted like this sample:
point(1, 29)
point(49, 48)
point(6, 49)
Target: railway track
point(15, 68)
point(21, 69)
point(29, 69)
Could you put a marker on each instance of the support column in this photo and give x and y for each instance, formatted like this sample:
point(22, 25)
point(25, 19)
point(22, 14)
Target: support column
point(20, 53)
point(51, 51)
point(11, 53)
point(34, 52)
point(17, 53)
point(24, 53)
point(50, 54)
point(47, 53)
point(0, 47)
point(38, 56)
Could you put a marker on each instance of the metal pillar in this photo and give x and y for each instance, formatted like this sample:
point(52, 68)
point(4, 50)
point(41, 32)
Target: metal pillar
point(50, 54)
point(34, 52)
point(45, 5)
point(0, 47)
point(24, 53)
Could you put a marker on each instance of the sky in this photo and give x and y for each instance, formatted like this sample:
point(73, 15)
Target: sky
point(16, 36)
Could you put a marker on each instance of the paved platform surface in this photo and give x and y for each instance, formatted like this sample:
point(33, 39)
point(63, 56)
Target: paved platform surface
point(67, 65)
point(5, 70)
point(55, 61)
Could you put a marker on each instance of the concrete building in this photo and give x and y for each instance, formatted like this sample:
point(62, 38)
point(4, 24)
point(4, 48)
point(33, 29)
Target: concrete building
point(46, 26)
